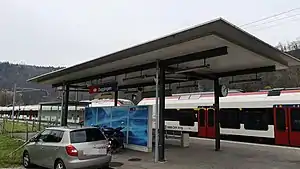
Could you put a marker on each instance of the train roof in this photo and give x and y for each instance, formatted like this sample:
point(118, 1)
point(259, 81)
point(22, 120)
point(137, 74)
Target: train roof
point(261, 99)
point(94, 103)
point(37, 107)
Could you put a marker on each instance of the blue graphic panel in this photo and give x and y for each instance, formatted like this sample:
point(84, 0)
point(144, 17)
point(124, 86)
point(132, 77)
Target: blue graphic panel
point(138, 125)
point(133, 118)
point(90, 116)
point(104, 116)
point(120, 118)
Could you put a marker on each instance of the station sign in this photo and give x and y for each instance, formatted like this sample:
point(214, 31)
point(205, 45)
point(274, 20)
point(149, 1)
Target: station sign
point(103, 88)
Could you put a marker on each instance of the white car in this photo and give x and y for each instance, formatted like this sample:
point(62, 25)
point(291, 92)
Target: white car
point(68, 148)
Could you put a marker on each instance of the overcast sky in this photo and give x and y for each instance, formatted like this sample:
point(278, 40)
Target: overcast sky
point(67, 32)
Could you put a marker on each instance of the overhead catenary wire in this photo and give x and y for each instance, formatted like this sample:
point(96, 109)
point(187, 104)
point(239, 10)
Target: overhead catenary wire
point(275, 25)
point(269, 17)
point(279, 19)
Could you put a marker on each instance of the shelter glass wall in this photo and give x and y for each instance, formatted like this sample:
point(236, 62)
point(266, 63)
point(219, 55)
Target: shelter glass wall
point(136, 120)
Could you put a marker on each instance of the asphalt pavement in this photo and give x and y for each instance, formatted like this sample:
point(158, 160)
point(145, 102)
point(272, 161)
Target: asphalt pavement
point(201, 155)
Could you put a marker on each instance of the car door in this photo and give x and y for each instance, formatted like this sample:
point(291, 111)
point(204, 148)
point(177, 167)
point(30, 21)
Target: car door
point(51, 146)
point(32, 148)
point(36, 151)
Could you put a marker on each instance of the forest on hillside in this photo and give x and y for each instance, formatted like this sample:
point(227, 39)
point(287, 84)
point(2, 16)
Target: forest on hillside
point(11, 74)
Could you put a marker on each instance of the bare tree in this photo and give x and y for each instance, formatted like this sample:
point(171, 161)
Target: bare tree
point(5, 97)
point(289, 46)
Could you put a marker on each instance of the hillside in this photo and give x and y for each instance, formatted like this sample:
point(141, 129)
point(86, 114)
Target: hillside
point(19, 74)
point(16, 73)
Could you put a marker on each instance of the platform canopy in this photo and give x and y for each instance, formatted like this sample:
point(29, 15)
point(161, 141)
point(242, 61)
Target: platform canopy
point(208, 51)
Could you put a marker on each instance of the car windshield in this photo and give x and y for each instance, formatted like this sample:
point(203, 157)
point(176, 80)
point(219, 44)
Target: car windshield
point(86, 135)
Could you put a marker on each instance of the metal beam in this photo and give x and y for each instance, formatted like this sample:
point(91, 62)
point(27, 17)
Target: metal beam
point(144, 84)
point(198, 76)
point(180, 59)
point(246, 71)
point(197, 56)
point(75, 90)
point(210, 76)
point(161, 142)
point(217, 109)
point(66, 106)
point(149, 83)
point(116, 98)
point(113, 73)
point(78, 86)
point(40, 117)
point(156, 112)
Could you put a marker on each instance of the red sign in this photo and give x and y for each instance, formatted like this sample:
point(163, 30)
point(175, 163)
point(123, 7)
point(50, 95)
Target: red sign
point(93, 89)
point(101, 89)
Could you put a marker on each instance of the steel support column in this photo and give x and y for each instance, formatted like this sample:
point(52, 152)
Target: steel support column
point(65, 106)
point(156, 112)
point(116, 98)
point(217, 117)
point(39, 117)
point(161, 145)
point(62, 106)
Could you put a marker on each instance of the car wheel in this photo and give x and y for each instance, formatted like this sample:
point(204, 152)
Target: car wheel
point(26, 160)
point(59, 164)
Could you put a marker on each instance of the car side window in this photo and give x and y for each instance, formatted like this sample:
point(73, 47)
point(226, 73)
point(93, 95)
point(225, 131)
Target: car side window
point(55, 136)
point(44, 136)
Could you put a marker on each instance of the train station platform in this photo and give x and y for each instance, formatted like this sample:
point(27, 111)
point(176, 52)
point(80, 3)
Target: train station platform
point(212, 51)
point(201, 155)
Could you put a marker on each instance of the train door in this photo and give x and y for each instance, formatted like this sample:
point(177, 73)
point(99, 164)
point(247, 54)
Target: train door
point(202, 122)
point(206, 122)
point(287, 125)
point(281, 128)
point(294, 126)
point(210, 123)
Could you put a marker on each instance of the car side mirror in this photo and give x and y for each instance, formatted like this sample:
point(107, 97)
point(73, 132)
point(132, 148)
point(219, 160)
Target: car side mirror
point(34, 139)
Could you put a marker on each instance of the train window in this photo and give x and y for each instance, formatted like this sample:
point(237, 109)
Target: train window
point(230, 118)
point(202, 117)
point(186, 120)
point(255, 119)
point(211, 117)
point(187, 117)
point(295, 119)
point(270, 116)
point(171, 115)
point(280, 119)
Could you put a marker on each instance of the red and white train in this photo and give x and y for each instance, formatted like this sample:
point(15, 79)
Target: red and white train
point(51, 113)
point(265, 116)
